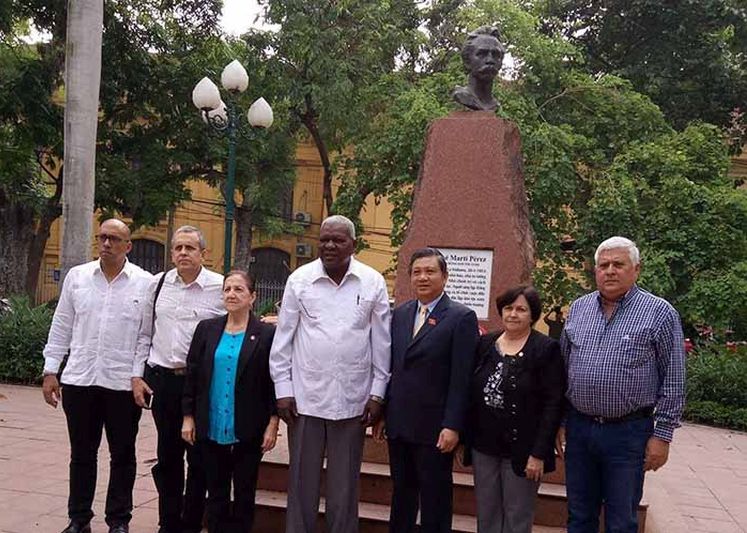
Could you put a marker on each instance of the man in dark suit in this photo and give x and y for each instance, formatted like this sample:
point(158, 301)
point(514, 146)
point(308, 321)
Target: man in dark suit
point(433, 348)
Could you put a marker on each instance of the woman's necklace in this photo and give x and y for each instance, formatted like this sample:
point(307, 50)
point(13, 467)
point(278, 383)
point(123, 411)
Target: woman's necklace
point(511, 347)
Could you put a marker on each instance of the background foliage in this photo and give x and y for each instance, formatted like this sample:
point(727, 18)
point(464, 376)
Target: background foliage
point(717, 386)
point(23, 334)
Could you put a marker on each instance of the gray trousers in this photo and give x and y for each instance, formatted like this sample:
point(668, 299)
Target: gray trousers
point(343, 440)
point(505, 501)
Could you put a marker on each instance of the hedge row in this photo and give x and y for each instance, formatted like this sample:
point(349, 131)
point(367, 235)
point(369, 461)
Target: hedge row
point(23, 333)
point(717, 386)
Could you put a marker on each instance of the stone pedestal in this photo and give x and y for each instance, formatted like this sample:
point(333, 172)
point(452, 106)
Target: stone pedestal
point(470, 195)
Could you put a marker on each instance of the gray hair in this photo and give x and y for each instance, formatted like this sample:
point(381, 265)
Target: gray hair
point(614, 243)
point(339, 220)
point(190, 229)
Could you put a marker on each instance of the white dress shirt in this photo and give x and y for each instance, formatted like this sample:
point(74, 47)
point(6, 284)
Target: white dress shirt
point(179, 308)
point(332, 346)
point(99, 323)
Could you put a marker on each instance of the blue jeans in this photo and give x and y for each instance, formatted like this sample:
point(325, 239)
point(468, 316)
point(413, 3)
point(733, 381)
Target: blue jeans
point(604, 465)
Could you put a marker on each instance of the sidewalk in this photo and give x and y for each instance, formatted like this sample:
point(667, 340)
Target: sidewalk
point(703, 488)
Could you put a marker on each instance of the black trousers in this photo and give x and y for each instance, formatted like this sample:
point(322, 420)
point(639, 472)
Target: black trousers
point(179, 510)
point(224, 464)
point(421, 478)
point(89, 410)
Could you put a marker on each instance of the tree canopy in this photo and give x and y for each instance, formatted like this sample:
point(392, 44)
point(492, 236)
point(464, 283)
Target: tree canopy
point(687, 56)
point(600, 159)
point(151, 140)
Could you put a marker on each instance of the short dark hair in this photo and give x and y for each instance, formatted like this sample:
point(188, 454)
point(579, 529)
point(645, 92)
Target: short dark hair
point(428, 252)
point(469, 42)
point(243, 274)
point(530, 293)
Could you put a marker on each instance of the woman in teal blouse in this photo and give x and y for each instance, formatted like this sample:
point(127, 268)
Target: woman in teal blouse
point(229, 403)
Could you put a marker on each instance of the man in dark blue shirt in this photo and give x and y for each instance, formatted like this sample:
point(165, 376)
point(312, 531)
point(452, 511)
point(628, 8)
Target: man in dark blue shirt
point(624, 353)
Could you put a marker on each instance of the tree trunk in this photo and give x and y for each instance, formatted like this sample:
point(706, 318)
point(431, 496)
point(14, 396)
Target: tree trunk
point(16, 233)
point(308, 118)
point(52, 211)
point(244, 233)
point(82, 81)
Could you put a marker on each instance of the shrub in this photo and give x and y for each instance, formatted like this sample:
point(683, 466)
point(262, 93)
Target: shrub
point(715, 414)
point(23, 333)
point(717, 386)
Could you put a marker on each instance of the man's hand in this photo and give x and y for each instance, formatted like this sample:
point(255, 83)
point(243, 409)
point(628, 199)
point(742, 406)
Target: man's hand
point(371, 413)
point(51, 390)
point(188, 429)
point(560, 442)
point(657, 453)
point(287, 409)
point(139, 389)
point(379, 430)
point(447, 440)
point(271, 435)
point(269, 319)
point(535, 468)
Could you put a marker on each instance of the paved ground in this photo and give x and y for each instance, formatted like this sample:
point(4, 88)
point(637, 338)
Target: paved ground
point(703, 487)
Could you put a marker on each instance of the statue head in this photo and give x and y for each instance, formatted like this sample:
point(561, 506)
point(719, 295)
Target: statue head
point(482, 53)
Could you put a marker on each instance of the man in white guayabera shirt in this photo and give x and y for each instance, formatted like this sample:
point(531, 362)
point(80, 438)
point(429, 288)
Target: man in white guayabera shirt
point(181, 298)
point(330, 363)
point(98, 321)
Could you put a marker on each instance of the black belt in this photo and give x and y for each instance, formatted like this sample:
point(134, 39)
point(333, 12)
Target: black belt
point(173, 371)
point(645, 412)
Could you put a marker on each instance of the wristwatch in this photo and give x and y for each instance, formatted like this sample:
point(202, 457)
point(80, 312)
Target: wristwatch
point(377, 399)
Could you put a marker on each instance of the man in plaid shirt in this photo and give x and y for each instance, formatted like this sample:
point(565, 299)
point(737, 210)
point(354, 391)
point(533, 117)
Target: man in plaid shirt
point(625, 357)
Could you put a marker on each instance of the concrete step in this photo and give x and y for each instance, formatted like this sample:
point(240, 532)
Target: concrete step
point(377, 452)
point(376, 489)
point(270, 517)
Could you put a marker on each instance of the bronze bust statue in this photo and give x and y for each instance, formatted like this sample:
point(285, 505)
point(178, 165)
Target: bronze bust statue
point(482, 55)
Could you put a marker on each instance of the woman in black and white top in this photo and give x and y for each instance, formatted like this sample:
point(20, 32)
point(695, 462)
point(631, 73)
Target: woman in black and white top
point(516, 398)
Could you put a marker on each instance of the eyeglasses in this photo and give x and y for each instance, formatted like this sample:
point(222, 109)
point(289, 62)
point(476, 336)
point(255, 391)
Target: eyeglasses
point(113, 239)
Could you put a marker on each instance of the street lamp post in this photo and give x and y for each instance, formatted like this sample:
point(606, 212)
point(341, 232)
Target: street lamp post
point(226, 119)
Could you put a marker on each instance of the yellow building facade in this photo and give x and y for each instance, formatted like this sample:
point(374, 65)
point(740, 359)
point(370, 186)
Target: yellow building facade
point(274, 256)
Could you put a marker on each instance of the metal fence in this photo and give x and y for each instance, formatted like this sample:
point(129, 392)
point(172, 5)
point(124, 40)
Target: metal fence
point(268, 294)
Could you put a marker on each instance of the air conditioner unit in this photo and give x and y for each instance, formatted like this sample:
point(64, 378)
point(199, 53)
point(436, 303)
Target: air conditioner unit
point(302, 218)
point(303, 249)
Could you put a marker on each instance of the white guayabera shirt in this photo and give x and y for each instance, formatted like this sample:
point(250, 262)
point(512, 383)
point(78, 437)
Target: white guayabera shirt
point(180, 307)
point(99, 323)
point(331, 350)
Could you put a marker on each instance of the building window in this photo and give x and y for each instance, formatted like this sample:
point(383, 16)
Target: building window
point(147, 254)
point(286, 204)
point(270, 268)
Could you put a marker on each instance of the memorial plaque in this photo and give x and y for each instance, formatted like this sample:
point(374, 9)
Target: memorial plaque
point(469, 198)
point(469, 278)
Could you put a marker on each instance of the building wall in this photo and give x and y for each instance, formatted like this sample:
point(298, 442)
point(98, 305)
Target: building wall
point(206, 212)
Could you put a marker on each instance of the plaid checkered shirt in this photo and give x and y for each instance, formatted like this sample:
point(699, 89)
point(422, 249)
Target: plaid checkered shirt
point(633, 360)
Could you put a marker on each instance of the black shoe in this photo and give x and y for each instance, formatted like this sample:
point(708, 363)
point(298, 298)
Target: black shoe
point(120, 528)
point(77, 527)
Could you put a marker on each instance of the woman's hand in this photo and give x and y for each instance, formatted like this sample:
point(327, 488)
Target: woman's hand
point(535, 468)
point(271, 435)
point(188, 429)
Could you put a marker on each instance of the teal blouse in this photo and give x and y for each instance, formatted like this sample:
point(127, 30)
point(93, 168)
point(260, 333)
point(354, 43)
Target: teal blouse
point(222, 387)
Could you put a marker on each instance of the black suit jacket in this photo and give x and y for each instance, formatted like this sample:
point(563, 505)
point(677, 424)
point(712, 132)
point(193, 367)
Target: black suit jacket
point(533, 401)
point(429, 388)
point(254, 395)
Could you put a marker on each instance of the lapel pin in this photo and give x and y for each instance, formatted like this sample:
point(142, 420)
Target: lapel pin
point(252, 338)
point(432, 321)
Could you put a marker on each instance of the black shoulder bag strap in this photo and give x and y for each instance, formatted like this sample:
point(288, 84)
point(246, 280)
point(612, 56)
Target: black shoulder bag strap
point(155, 299)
